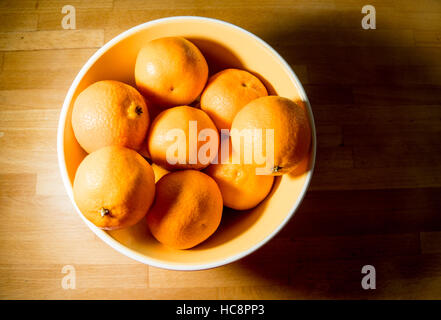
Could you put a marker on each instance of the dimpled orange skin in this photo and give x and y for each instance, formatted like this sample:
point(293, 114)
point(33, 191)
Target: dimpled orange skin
point(187, 209)
point(110, 113)
point(170, 71)
point(227, 92)
point(292, 133)
point(178, 118)
point(241, 188)
point(114, 187)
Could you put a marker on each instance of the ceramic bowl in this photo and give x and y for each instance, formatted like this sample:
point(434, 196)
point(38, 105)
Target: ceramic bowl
point(224, 45)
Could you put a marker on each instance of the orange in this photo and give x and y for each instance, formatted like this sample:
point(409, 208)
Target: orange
point(114, 187)
point(170, 71)
point(110, 113)
point(292, 133)
point(241, 188)
point(187, 209)
point(163, 138)
point(227, 92)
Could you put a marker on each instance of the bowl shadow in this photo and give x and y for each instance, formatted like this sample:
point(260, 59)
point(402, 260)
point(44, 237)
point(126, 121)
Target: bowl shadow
point(281, 263)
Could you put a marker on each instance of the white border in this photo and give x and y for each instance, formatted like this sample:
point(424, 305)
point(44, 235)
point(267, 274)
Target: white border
point(109, 239)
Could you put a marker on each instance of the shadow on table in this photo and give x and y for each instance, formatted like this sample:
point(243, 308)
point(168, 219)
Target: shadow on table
point(321, 252)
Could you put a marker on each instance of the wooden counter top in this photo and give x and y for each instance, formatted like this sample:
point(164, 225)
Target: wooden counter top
point(376, 193)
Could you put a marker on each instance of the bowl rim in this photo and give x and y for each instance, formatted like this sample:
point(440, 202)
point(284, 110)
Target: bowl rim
point(107, 238)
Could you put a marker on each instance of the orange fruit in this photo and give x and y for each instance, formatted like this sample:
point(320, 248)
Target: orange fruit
point(114, 187)
point(229, 91)
point(170, 71)
point(161, 140)
point(292, 133)
point(187, 209)
point(110, 113)
point(239, 184)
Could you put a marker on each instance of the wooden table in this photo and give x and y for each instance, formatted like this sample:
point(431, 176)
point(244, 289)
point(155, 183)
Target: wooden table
point(376, 193)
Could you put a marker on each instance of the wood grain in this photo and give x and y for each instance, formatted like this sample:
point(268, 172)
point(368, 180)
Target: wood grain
point(375, 195)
